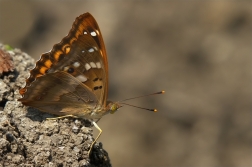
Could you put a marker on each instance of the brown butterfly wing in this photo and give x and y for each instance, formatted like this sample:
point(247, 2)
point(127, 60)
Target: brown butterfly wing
point(60, 93)
point(80, 55)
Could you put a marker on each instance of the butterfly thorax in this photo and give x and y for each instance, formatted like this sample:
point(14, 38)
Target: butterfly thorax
point(99, 111)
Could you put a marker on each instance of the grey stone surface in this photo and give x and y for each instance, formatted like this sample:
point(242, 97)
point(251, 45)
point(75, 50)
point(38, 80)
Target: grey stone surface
point(27, 138)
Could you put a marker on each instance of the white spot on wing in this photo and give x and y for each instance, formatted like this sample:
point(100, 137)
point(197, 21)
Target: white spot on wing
point(76, 64)
point(91, 50)
point(92, 64)
point(93, 33)
point(82, 78)
point(87, 66)
point(66, 68)
point(85, 32)
point(98, 64)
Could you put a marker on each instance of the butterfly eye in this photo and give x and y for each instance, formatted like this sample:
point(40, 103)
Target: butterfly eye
point(114, 107)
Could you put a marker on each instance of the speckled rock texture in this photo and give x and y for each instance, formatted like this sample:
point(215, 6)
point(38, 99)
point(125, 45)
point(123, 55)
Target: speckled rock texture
point(27, 138)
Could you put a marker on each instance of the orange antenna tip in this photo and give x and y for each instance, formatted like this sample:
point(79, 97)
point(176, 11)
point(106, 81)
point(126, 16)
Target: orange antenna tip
point(154, 110)
point(161, 92)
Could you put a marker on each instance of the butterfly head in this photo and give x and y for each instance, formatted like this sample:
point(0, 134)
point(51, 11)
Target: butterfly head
point(112, 107)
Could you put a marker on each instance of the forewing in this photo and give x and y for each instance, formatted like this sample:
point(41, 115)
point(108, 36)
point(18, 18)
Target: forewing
point(81, 54)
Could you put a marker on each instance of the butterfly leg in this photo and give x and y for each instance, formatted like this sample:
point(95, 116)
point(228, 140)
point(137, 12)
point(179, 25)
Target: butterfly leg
point(65, 116)
point(97, 127)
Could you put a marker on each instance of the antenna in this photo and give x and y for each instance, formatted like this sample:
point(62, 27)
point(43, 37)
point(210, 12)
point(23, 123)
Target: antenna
point(154, 110)
point(161, 92)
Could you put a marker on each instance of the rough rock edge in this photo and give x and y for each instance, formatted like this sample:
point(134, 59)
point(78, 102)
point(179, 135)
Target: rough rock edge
point(28, 139)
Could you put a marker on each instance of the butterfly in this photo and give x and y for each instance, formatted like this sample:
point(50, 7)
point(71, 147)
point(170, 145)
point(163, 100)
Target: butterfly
point(72, 79)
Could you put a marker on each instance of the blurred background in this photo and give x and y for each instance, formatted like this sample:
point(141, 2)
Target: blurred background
point(198, 52)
